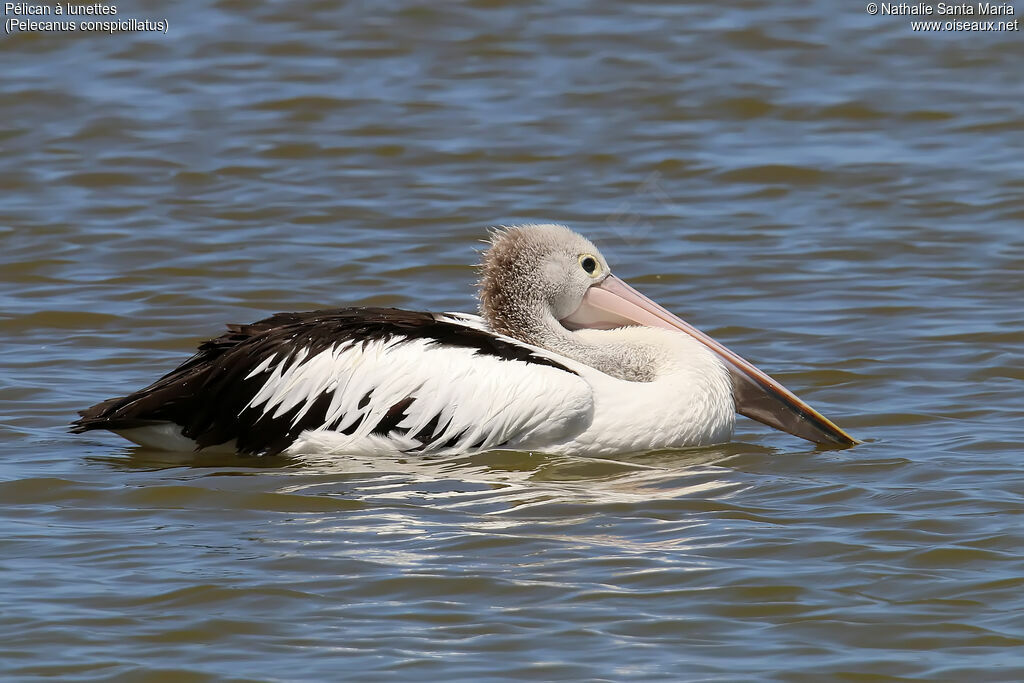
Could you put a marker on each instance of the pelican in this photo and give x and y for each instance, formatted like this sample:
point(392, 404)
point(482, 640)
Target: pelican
point(563, 358)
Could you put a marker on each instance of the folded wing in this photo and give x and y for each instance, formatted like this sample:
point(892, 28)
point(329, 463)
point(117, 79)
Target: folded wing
point(421, 382)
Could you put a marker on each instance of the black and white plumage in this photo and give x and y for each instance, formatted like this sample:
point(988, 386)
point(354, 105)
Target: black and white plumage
point(557, 363)
point(358, 372)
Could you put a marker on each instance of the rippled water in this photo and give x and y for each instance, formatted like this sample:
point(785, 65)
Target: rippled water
point(834, 196)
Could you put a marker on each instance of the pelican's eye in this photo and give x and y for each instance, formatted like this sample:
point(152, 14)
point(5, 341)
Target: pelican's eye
point(588, 263)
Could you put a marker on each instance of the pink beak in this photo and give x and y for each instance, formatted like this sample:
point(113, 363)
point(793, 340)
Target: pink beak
point(612, 303)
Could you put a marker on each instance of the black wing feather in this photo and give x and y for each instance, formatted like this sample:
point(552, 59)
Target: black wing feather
point(207, 395)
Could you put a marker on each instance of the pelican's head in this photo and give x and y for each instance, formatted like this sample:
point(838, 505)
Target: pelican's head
point(536, 278)
point(532, 272)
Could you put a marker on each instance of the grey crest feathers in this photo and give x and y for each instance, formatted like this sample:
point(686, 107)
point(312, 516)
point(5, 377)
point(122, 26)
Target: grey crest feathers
point(526, 268)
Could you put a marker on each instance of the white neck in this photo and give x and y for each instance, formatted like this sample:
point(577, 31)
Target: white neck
point(688, 400)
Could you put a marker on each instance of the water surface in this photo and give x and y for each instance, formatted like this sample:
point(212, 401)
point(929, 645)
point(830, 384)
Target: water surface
point(832, 195)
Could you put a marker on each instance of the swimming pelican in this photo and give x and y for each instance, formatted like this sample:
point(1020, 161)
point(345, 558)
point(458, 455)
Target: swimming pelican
point(565, 358)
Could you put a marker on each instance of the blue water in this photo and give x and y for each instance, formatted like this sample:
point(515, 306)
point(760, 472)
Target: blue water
point(829, 193)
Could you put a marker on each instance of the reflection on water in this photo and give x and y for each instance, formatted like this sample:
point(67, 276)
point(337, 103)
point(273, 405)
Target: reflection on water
point(570, 478)
point(830, 194)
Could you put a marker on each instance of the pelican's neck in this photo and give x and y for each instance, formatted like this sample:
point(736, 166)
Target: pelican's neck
point(621, 353)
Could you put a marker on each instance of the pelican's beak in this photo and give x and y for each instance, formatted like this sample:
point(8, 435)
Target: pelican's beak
point(612, 303)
